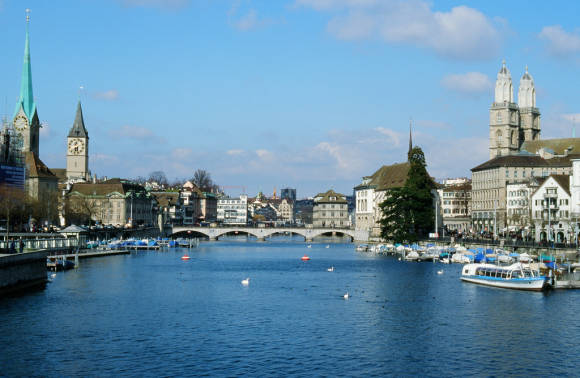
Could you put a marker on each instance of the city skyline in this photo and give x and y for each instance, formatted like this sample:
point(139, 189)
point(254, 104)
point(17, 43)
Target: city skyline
point(311, 94)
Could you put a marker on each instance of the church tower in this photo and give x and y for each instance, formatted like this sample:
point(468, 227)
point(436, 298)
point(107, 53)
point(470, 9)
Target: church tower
point(529, 114)
point(26, 121)
point(504, 136)
point(77, 156)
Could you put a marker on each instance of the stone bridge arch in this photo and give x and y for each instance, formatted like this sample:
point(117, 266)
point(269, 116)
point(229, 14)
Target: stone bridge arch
point(214, 233)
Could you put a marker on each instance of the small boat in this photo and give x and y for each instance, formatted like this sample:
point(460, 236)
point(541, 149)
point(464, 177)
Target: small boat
point(412, 256)
point(305, 258)
point(362, 248)
point(516, 276)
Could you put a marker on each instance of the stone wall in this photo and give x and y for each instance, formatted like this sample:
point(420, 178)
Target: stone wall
point(22, 270)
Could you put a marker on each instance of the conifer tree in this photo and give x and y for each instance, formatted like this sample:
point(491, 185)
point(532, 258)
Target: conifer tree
point(408, 211)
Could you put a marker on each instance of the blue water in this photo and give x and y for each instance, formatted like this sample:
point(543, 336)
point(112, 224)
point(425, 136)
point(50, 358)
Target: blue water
point(152, 314)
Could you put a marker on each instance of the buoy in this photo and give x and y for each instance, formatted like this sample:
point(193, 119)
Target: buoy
point(185, 257)
point(305, 258)
point(246, 282)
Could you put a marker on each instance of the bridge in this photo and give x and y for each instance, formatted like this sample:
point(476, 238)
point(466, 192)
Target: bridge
point(214, 233)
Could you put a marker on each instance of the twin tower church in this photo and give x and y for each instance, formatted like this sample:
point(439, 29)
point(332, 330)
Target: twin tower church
point(40, 180)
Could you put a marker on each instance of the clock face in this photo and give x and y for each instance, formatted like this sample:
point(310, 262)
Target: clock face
point(76, 146)
point(20, 123)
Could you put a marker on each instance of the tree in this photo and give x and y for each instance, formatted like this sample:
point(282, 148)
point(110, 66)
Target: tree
point(158, 177)
point(11, 202)
point(202, 179)
point(408, 211)
point(81, 209)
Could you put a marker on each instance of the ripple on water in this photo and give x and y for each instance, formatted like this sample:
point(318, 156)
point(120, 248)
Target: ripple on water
point(150, 314)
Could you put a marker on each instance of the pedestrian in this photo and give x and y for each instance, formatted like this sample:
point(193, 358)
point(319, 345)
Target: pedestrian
point(21, 245)
point(12, 246)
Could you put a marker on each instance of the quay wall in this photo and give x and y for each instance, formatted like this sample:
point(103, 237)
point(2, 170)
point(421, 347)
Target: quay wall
point(21, 271)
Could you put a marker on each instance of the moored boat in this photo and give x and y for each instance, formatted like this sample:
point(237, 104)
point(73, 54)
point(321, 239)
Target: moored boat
point(516, 276)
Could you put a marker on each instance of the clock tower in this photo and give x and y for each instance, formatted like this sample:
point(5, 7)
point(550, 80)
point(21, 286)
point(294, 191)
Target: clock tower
point(77, 155)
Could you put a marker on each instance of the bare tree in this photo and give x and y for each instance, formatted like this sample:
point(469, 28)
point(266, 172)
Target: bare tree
point(81, 209)
point(11, 202)
point(202, 179)
point(158, 177)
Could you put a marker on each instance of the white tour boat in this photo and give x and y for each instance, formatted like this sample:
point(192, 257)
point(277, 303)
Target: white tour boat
point(516, 276)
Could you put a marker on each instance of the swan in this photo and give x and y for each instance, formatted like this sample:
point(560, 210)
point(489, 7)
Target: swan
point(331, 269)
point(439, 272)
point(327, 246)
point(346, 296)
point(53, 275)
point(246, 282)
point(308, 246)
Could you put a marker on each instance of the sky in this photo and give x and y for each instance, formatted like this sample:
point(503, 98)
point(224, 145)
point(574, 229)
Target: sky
point(307, 94)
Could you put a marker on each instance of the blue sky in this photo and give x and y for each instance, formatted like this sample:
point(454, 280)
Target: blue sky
point(311, 94)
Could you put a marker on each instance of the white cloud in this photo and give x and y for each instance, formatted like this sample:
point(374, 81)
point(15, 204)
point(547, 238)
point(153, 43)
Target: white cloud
point(234, 152)
point(461, 33)
point(164, 4)
point(391, 134)
point(264, 154)
point(560, 42)
point(110, 95)
point(181, 153)
point(473, 83)
point(134, 132)
point(249, 21)
point(45, 131)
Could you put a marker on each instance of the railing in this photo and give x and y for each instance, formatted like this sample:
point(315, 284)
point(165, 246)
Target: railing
point(40, 243)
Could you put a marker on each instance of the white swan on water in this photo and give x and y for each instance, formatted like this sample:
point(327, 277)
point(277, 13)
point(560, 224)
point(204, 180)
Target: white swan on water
point(346, 296)
point(439, 272)
point(331, 269)
point(246, 282)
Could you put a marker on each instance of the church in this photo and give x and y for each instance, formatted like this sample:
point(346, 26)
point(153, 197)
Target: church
point(516, 151)
point(42, 183)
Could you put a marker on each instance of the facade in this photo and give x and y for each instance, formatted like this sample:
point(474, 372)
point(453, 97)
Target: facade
point(113, 202)
point(372, 192)
point(455, 198)
point(490, 180)
point(518, 197)
point(330, 210)
point(208, 207)
point(169, 207)
point(551, 206)
point(77, 158)
point(233, 210)
point(286, 209)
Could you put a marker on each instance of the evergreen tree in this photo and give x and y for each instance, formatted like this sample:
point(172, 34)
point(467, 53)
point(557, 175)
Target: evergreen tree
point(408, 211)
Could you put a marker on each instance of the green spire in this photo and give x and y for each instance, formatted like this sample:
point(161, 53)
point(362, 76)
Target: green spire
point(26, 100)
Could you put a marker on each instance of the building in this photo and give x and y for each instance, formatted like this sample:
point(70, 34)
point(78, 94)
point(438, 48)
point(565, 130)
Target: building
point(169, 207)
point(12, 168)
point(288, 193)
point(77, 158)
point(41, 184)
point(518, 207)
point(233, 210)
point(551, 206)
point(373, 191)
point(285, 209)
point(455, 195)
point(516, 151)
point(208, 206)
point(114, 202)
point(511, 124)
point(330, 210)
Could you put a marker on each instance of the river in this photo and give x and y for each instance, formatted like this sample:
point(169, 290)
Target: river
point(152, 314)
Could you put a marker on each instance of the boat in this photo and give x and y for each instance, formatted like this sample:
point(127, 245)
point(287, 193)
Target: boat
point(362, 248)
point(516, 276)
point(412, 256)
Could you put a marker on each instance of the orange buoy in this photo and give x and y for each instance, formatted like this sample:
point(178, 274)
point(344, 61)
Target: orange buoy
point(185, 257)
point(305, 258)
